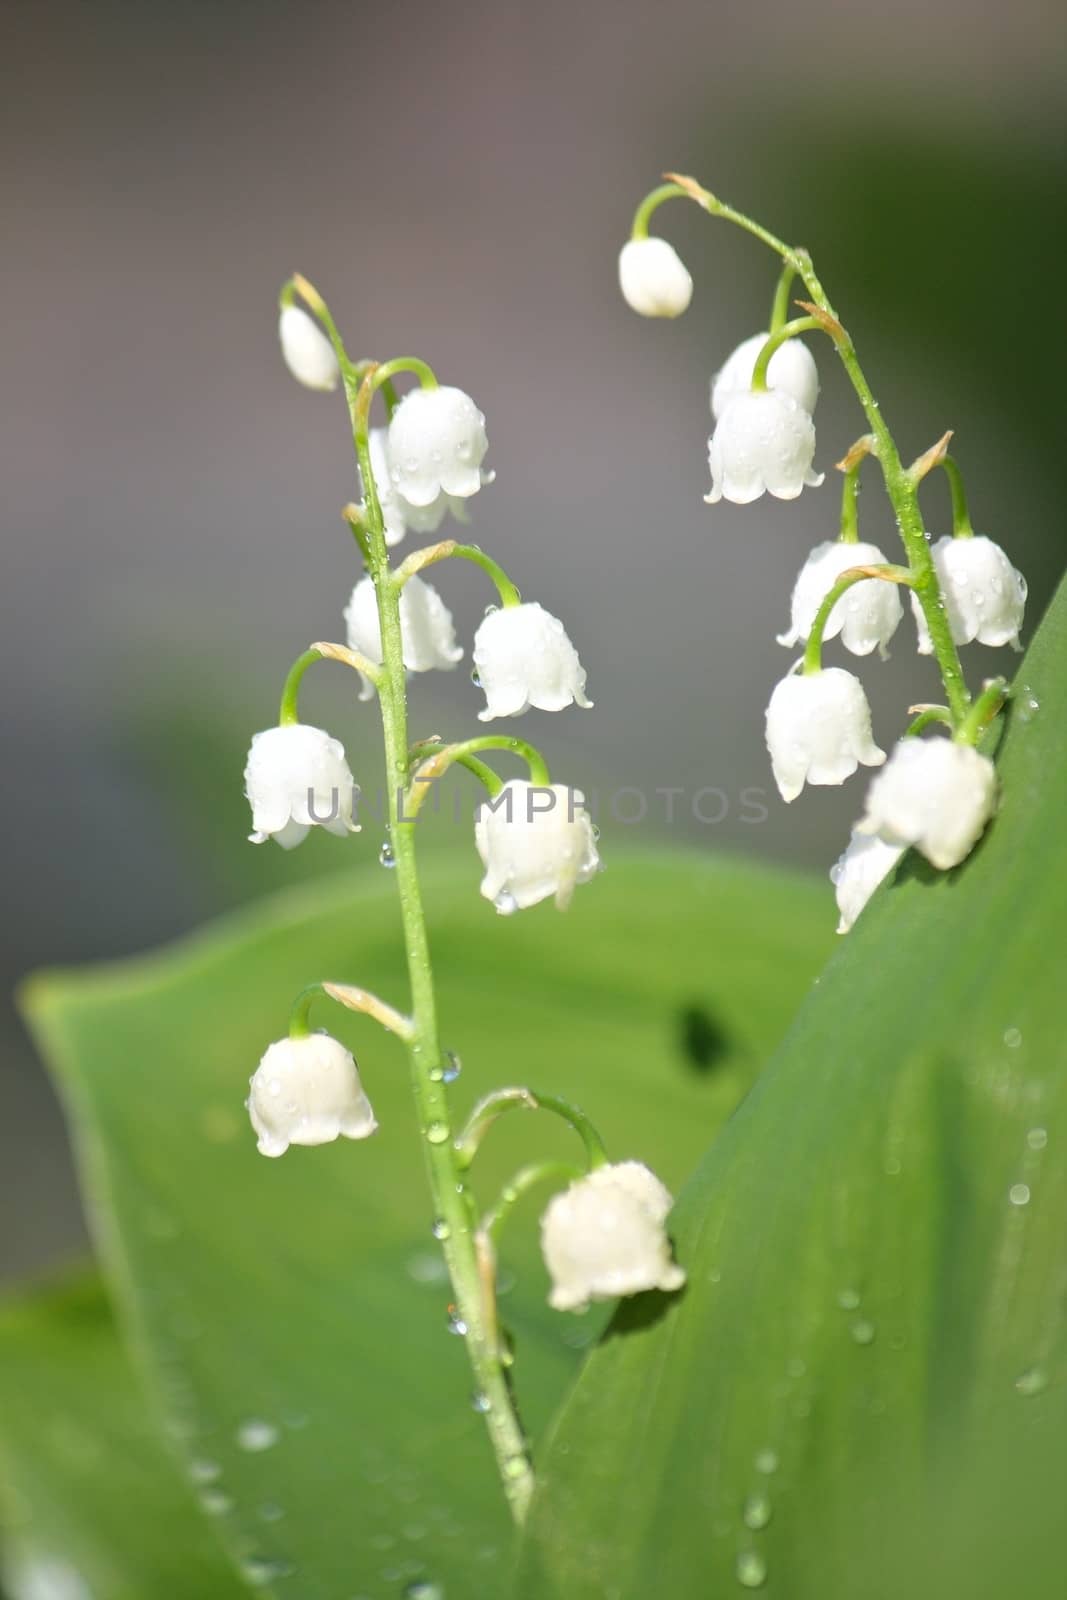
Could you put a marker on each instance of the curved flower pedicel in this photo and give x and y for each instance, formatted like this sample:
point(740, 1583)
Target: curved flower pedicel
point(535, 837)
point(791, 370)
point(935, 794)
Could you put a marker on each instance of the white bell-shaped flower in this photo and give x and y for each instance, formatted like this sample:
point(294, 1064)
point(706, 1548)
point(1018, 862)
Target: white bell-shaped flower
point(427, 633)
point(653, 278)
point(523, 658)
point(866, 616)
point(985, 596)
point(306, 350)
point(819, 730)
point(605, 1236)
point(791, 370)
point(398, 515)
point(296, 778)
point(934, 794)
point(535, 840)
point(866, 863)
point(436, 445)
point(762, 442)
point(307, 1091)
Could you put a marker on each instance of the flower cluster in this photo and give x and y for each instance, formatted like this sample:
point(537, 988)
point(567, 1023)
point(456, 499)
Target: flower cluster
point(605, 1235)
point(935, 794)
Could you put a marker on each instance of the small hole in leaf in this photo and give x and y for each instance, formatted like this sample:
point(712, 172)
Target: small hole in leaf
point(702, 1039)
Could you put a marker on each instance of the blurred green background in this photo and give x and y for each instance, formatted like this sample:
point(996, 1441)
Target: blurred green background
point(457, 181)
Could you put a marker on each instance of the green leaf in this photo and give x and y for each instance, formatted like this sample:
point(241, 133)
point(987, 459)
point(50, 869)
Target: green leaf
point(88, 1494)
point(298, 1305)
point(876, 1257)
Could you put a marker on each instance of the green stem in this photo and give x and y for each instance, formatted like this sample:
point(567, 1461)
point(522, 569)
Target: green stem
point(926, 719)
point(523, 1181)
point(982, 711)
point(446, 755)
point(850, 511)
point(450, 1202)
point(961, 520)
point(901, 489)
point(496, 1103)
point(787, 331)
point(851, 575)
point(780, 307)
point(418, 559)
point(300, 1013)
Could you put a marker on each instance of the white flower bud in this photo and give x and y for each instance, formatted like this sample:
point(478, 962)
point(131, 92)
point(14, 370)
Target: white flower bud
point(436, 444)
point(858, 872)
point(934, 794)
point(398, 515)
point(985, 596)
point(427, 634)
point(819, 730)
point(866, 616)
point(791, 370)
point(535, 840)
point(307, 1091)
point(653, 278)
point(296, 777)
point(762, 441)
point(306, 350)
point(523, 658)
point(605, 1236)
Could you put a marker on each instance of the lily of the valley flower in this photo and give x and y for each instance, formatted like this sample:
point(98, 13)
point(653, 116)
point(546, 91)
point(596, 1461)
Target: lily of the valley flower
point(605, 1236)
point(307, 1091)
point(763, 442)
point(653, 278)
point(296, 777)
point(534, 841)
point(399, 515)
point(436, 445)
point(866, 616)
point(791, 370)
point(427, 634)
point(985, 596)
point(865, 864)
point(819, 730)
point(934, 794)
point(523, 658)
point(306, 350)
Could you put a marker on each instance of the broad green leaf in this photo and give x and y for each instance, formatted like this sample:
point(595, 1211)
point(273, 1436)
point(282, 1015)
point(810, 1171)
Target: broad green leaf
point(877, 1258)
point(292, 1312)
point(91, 1502)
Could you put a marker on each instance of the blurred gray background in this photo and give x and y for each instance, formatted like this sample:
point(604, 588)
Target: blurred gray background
point(458, 179)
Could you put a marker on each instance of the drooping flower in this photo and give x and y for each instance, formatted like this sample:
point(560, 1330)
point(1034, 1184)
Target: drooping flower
point(535, 840)
point(306, 350)
point(762, 442)
point(934, 794)
point(605, 1236)
point(819, 730)
point(427, 634)
point(866, 616)
point(791, 370)
point(307, 1091)
point(296, 778)
point(436, 445)
point(865, 864)
point(985, 596)
point(399, 515)
point(653, 278)
point(523, 658)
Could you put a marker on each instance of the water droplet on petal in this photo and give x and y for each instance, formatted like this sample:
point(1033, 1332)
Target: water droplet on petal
point(757, 1512)
point(751, 1570)
point(256, 1435)
point(1019, 1194)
